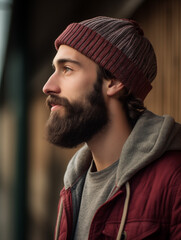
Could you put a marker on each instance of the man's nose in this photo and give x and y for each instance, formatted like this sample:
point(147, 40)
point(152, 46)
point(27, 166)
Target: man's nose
point(52, 85)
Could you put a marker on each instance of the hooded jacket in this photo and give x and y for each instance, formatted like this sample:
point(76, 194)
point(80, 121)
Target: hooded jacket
point(146, 201)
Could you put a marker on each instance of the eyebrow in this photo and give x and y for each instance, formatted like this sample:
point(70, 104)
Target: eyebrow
point(64, 60)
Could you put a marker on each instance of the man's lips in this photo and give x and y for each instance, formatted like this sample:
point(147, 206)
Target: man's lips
point(55, 103)
point(54, 107)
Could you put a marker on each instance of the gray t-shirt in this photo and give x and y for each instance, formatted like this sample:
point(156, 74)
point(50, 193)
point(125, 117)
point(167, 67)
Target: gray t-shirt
point(97, 189)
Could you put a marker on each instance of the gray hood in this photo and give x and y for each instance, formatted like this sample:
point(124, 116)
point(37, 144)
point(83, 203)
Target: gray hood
point(151, 137)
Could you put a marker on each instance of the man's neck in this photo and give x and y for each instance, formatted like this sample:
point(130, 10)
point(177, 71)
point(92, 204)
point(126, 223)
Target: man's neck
point(107, 145)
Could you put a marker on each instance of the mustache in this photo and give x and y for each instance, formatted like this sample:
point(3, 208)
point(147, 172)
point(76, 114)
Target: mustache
point(55, 100)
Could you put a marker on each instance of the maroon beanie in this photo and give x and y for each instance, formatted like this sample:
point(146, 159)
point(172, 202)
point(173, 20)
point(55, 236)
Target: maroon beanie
point(118, 45)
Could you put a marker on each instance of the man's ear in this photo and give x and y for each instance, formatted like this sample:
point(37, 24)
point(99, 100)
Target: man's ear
point(114, 87)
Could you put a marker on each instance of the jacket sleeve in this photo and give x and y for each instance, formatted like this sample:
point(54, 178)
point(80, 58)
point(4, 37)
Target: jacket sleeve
point(175, 225)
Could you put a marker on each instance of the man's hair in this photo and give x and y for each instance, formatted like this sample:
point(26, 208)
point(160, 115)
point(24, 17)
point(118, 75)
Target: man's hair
point(134, 107)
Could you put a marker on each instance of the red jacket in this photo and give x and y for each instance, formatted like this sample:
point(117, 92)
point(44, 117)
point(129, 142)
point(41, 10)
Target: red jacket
point(154, 209)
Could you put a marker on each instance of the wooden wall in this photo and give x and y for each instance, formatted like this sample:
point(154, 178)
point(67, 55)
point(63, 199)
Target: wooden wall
point(161, 21)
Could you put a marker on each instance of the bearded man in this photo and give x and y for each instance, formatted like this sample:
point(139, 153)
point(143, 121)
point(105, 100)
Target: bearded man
point(124, 183)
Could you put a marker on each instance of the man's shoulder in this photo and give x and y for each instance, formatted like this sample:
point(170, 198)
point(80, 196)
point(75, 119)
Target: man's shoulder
point(169, 166)
point(170, 160)
point(164, 171)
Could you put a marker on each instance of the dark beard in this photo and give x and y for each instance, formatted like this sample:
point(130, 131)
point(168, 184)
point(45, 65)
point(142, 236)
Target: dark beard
point(80, 121)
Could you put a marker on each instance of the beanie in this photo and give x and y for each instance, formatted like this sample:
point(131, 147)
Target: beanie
point(119, 46)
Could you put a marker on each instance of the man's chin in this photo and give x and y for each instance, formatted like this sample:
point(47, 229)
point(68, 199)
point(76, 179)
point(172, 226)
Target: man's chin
point(64, 143)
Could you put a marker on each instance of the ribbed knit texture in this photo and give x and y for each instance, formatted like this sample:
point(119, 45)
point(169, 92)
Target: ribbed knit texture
point(118, 45)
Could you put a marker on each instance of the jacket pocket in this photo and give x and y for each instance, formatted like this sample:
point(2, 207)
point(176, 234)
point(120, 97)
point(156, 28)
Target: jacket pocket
point(134, 231)
point(145, 231)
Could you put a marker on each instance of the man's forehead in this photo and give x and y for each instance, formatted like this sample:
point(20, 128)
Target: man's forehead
point(65, 51)
point(70, 54)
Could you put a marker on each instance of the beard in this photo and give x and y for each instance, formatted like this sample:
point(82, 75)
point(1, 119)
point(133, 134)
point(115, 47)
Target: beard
point(80, 121)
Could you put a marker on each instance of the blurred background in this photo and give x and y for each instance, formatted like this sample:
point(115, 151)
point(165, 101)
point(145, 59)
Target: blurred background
point(31, 170)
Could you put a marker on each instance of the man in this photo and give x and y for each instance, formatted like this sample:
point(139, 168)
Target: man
point(124, 183)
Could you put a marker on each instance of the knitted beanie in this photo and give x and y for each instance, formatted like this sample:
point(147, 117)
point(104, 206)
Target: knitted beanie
point(118, 45)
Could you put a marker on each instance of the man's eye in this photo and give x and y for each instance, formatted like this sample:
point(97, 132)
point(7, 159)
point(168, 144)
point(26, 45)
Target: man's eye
point(66, 69)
